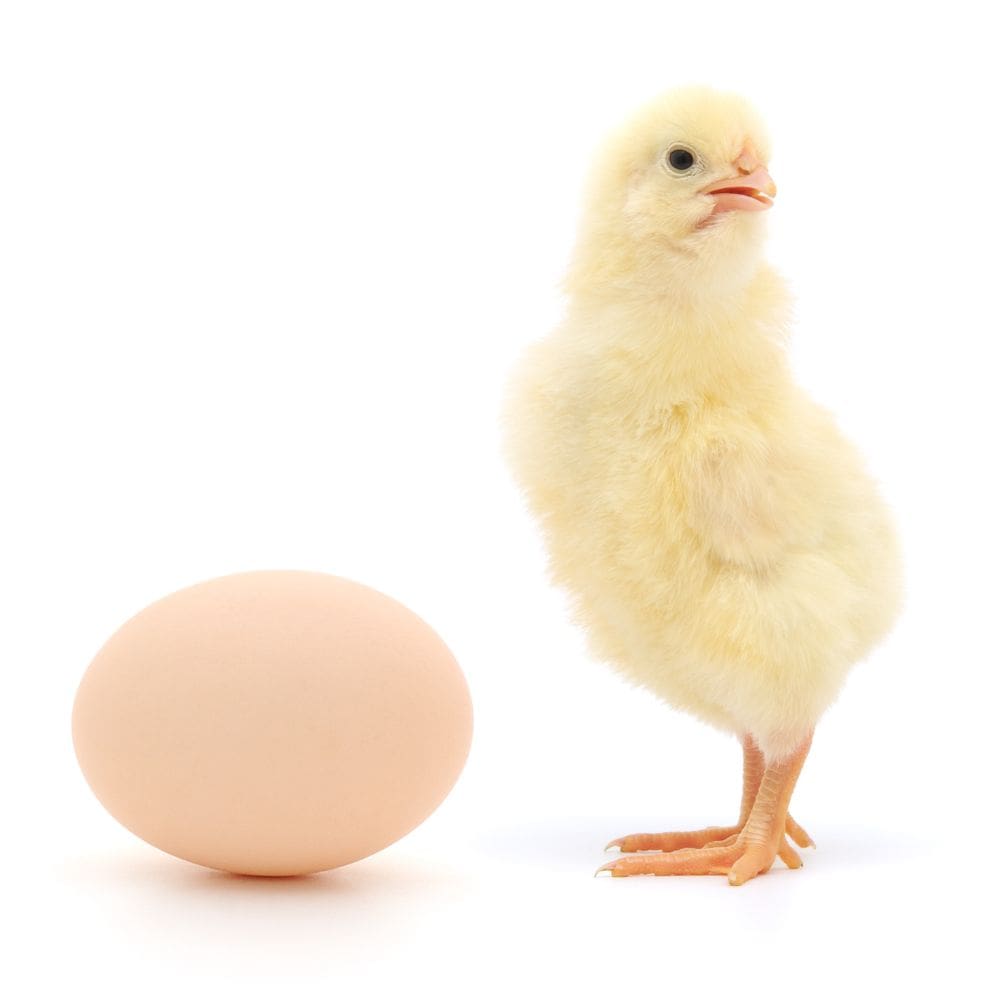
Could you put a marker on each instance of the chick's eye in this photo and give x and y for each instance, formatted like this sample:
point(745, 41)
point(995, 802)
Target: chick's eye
point(681, 158)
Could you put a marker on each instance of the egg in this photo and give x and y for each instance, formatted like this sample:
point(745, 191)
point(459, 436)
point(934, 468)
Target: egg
point(273, 723)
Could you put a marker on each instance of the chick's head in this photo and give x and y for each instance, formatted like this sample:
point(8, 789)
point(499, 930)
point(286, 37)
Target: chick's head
point(684, 182)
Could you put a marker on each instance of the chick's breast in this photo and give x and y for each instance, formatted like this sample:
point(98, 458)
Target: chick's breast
point(734, 557)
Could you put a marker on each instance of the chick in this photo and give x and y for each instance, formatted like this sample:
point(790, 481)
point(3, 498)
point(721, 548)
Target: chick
point(722, 543)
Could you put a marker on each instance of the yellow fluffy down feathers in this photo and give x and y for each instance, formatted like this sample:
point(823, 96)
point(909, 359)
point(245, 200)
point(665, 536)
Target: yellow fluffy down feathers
point(722, 542)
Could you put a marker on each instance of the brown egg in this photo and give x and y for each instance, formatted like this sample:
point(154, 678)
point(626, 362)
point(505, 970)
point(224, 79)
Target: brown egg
point(273, 723)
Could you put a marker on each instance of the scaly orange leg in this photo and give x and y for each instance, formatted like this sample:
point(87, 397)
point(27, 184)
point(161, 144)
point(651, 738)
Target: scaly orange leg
point(753, 772)
point(744, 854)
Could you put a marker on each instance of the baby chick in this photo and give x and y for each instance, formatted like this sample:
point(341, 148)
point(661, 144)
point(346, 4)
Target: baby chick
point(721, 541)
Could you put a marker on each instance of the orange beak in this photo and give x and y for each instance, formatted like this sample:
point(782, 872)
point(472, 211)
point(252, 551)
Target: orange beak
point(752, 190)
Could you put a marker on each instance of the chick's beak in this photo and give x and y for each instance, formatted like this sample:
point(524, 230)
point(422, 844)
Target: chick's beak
point(751, 191)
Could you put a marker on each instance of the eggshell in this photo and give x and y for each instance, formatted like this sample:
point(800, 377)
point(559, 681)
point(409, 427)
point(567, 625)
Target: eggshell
point(273, 723)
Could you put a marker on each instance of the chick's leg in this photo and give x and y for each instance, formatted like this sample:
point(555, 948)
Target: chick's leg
point(742, 855)
point(753, 772)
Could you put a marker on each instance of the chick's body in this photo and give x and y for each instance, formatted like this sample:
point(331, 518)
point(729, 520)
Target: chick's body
point(721, 540)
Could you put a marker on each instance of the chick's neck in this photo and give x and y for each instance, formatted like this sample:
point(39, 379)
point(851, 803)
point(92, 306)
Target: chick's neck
point(688, 340)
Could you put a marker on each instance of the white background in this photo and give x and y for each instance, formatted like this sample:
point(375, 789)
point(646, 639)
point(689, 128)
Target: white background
point(265, 267)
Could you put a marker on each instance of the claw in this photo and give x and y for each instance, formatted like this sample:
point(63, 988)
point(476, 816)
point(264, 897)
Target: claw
point(609, 868)
point(616, 844)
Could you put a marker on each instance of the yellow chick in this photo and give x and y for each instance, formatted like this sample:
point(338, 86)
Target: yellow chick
point(721, 541)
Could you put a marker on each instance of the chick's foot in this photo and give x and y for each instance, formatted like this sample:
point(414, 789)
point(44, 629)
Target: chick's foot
point(672, 841)
point(797, 833)
point(738, 857)
point(741, 852)
point(710, 836)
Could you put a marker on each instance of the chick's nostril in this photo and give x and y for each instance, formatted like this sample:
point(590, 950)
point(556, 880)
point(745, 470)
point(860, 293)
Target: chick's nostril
point(748, 160)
